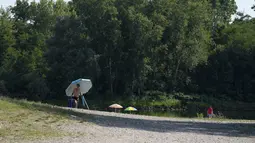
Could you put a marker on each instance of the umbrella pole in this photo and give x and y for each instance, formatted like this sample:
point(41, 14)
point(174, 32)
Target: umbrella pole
point(86, 102)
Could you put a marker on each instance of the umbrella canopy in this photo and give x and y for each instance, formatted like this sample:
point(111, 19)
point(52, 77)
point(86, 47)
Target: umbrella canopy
point(130, 109)
point(85, 85)
point(116, 106)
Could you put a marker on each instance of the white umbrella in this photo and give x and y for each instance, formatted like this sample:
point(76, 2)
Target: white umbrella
point(85, 85)
point(116, 106)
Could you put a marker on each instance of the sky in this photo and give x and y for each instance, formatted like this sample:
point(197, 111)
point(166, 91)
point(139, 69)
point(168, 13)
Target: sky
point(243, 5)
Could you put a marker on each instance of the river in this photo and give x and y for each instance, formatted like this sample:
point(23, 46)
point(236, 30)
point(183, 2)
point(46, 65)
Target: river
point(247, 115)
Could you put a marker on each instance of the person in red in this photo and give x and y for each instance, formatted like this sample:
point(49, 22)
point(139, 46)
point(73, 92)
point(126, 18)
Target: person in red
point(210, 112)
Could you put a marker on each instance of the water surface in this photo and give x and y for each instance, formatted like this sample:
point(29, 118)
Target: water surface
point(248, 115)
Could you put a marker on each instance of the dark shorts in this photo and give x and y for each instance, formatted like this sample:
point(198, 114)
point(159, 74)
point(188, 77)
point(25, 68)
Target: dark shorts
point(75, 98)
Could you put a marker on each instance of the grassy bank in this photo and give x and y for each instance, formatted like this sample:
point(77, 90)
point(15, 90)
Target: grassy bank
point(23, 121)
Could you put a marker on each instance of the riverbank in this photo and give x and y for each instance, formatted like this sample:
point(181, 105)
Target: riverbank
point(174, 105)
point(177, 101)
point(23, 121)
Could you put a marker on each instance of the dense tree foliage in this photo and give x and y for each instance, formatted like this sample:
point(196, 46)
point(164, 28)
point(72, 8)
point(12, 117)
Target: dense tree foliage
point(126, 47)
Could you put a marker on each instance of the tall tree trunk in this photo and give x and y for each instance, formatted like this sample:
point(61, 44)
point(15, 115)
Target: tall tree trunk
point(176, 72)
point(133, 80)
point(214, 24)
point(110, 65)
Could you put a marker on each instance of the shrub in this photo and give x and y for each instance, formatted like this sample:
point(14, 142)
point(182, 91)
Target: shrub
point(219, 115)
point(154, 95)
point(36, 87)
point(200, 115)
point(167, 103)
point(182, 96)
point(3, 89)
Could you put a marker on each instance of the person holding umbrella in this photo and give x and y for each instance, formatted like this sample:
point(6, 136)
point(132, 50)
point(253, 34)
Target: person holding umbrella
point(78, 88)
point(76, 93)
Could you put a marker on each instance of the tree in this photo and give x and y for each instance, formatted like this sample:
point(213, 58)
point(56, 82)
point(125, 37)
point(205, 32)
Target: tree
point(101, 21)
point(231, 68)
point(6, 32)
point(126, 47)
point(32, 26)
point(184, 41)
point(69, 56)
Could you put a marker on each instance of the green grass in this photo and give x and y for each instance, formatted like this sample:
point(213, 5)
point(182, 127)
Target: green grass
point(158, 103)
point(20, 120)
point(162, 101)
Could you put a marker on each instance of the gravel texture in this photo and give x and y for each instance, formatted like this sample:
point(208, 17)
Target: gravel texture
point(86, 126)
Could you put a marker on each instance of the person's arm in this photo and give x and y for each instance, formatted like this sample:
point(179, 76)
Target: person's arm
point(80, 92)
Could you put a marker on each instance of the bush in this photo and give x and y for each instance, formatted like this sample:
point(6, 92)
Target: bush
point(36, 87)
point(182, 96)
point(157, 99)
point(200, 115)
point(195, 107)
point(167, 103)
point(154, 95)
point(219, 115)
point(3, 89)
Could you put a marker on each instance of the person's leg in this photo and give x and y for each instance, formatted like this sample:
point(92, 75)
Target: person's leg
point(75, 103)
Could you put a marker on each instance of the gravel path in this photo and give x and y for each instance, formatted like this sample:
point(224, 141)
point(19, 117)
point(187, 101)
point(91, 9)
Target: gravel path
point(105, 127)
